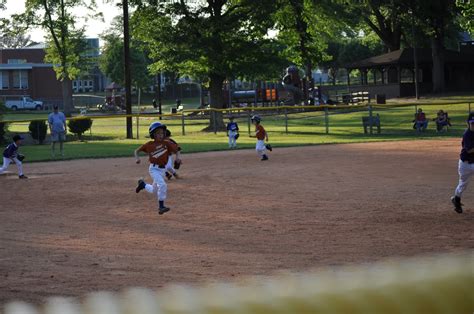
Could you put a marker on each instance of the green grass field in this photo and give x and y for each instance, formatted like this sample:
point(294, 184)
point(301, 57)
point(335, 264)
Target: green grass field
point(107, 137)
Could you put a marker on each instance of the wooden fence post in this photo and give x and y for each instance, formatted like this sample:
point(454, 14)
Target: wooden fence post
point(183, 132)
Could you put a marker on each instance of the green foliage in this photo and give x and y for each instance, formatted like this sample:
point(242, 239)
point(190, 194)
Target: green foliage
point(112, 59)
point(348, 50)
point(303, 30)
point(38, 129)
point(79, 126)
point(223, 39)
point(68, 60)
point(467, 15)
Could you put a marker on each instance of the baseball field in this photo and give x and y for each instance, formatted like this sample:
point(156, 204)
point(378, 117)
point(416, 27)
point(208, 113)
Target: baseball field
point(78, 226)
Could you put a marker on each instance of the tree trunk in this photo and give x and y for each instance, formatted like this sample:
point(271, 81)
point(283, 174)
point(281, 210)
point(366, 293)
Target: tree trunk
point(438, 63)
point(67, 96)
point(216, 121)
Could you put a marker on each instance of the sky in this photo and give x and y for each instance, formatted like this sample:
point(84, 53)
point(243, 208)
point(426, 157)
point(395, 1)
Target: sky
point(93, 27)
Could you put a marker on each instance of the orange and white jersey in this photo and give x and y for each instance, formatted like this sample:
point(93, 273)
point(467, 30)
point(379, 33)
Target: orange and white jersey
point(260, 132)
point(159, 151)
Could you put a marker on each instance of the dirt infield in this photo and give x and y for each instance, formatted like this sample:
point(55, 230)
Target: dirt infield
point(78, 226)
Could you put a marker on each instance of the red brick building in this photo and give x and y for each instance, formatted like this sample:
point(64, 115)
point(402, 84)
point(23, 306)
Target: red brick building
point(23, 72)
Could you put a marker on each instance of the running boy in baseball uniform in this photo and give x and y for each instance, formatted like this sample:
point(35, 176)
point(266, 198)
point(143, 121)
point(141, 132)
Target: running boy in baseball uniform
point(465, 164)
point(170, 170)
point(158, 151)
point(11, 154)
point(261, 136)
point(232, 132)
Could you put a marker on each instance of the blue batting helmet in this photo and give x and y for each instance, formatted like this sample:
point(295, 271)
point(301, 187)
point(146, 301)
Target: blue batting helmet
point(155, 126)
point(256, 118)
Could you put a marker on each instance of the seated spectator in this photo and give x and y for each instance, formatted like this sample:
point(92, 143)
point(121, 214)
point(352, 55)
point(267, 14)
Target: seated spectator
point(421, 123)
point(441, 120)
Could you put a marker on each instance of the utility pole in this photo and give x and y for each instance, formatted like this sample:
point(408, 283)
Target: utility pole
point(128, 80)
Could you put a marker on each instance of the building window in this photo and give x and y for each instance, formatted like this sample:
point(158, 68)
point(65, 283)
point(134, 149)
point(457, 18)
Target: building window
point(20, 79)
point(16, 61)
point(4, 83)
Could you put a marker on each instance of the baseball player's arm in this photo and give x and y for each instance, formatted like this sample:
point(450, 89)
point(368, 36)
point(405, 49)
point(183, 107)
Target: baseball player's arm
point(135, 153)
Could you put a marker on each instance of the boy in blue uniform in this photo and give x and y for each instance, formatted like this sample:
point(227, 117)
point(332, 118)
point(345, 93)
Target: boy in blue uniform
point(232, 132)
point(11, 154)
point(466, 163)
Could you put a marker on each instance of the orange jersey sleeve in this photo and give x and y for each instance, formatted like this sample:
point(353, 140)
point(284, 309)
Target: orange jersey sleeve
point(260, 132)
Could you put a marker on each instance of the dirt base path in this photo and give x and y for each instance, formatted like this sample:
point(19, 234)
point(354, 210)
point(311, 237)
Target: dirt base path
point(78, 226)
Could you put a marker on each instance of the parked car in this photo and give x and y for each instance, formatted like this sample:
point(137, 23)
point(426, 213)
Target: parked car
point(23, 103)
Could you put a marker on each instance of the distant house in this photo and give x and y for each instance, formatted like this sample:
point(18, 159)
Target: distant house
point(23, 72)
point(393, 73)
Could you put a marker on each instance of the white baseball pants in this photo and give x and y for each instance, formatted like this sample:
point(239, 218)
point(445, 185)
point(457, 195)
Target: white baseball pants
point(6, 163)
point(169, 165)
point(232, 141)
point(159, 186)
point(260, 148)
point(465, 171)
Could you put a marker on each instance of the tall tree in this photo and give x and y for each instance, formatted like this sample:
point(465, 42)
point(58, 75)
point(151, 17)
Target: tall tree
point(13, 35)
point(216, 39)
point(112, 59)
point(65, 41)
point(345, 50)
point(384, 17)
point(436, 17)
point(467, 14)
point(303, 29)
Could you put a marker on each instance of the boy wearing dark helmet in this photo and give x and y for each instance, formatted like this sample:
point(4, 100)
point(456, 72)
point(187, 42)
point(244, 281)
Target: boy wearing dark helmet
point(158, 151)
point(261, 136)
point(465, 164)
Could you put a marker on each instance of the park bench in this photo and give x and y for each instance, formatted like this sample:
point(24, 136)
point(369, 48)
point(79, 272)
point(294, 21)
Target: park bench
point(360, 97)
point(373, 121)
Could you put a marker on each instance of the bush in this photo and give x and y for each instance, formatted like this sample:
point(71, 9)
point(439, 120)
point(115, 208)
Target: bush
point(38, 130)
point(79, 126)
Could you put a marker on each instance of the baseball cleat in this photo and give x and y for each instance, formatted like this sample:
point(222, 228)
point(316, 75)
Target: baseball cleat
point(457, 204)
point(168, 175)
point(269, 147)
point(163, 210)
point(140, 186)
point(264, 158)
point(22, 177)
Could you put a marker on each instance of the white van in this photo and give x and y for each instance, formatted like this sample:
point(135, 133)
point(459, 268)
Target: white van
point(23, 103)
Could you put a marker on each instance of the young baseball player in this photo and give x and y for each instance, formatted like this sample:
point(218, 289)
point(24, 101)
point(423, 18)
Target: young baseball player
point(11, 154)
point(466, 163)
point(158, 152)
point(170, 169)
point(232, 132)
point(261, 136)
